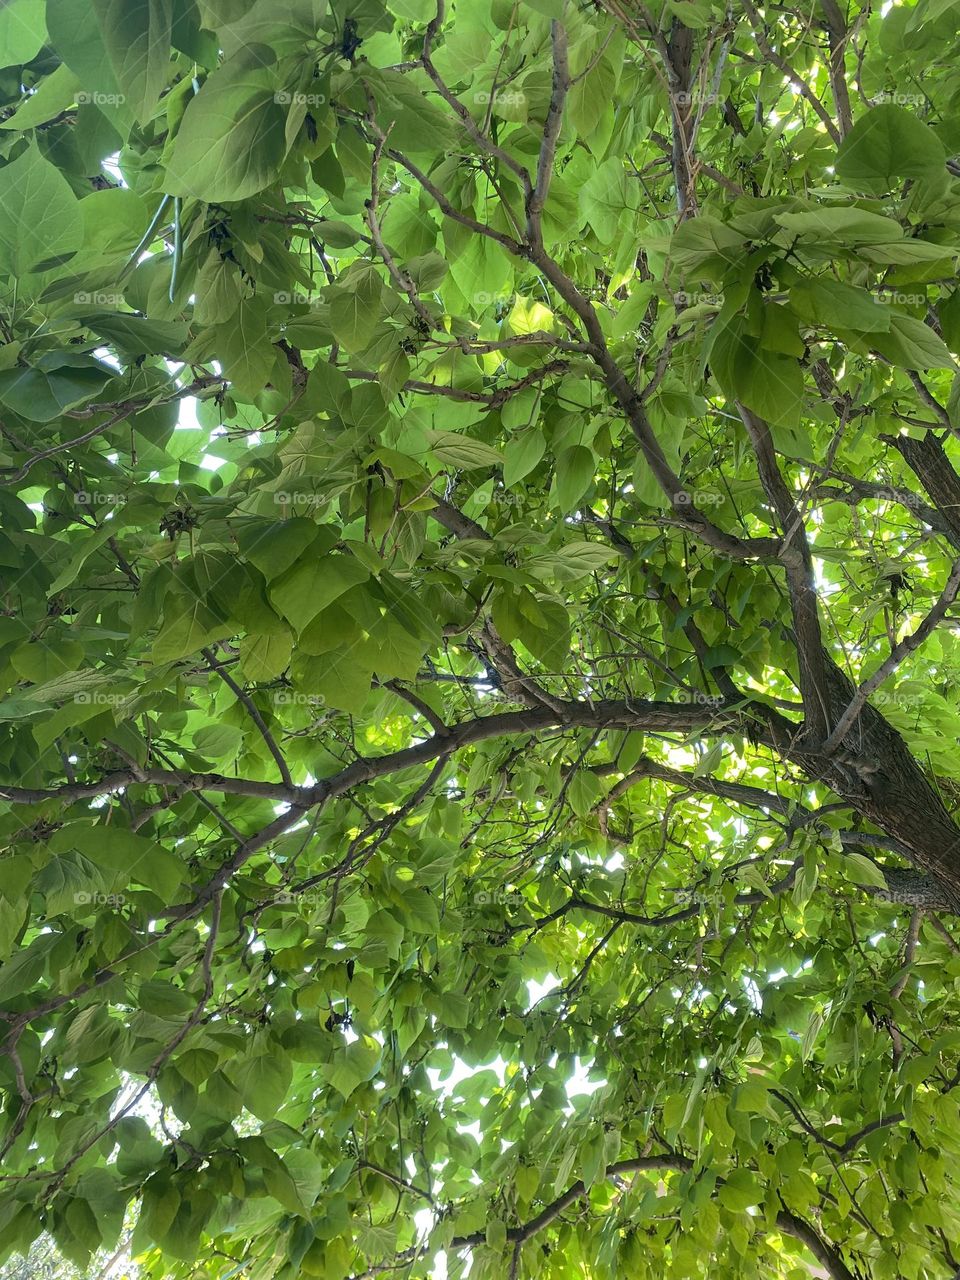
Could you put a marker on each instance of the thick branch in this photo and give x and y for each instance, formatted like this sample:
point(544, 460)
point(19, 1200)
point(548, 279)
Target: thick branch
point(551, 132)
point(798, 564)
point(837, 39)
point(928, 461)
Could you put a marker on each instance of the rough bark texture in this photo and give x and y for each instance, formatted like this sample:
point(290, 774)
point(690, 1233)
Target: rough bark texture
point(879, 776)
point(932, 468)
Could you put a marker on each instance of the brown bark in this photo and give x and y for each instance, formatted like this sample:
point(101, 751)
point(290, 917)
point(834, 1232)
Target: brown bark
point(878, 776)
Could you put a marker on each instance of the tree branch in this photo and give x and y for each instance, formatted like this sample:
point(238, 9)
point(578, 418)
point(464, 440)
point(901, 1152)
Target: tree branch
point(537, 198)
point(900, 651)
point(798, 565)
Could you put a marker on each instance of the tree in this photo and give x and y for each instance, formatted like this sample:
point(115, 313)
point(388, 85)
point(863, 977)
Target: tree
point(43, 1261)
point(478, 647)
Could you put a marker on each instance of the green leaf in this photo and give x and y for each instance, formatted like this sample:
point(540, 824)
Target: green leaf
point(481, 271)
point(887, 145)
point(137, 335)
point(706, 245)
point(126, 858)
point(311, 585)
point(452, 449)
point(53, 95)
point(39, 216)
point(862, 870)
point(188, 625)
point(845, 224)
point(263, 1080)
point(230, 142)
point(57, 383)
point(265, 657)
point(355, 309)
point(23, 30)
point(574, 475)
point(603, 199)
point(273, 547)
point(68, 883)
point(584, 792)
point(136, 36)
point(158, 1209)
point(839, 306)
point(353, 1064)
point(739, 1190)
point(768, 383)
point(911, 344)
point(522, 454)
point(75, 35)
point(573, 561)
point(247, 353)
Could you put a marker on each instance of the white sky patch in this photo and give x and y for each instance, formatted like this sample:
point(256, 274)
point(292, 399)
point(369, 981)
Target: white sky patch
point(188, 420)
point(112, 166)
point(445, 1083)
point(580, 1083)
point(423, 1220)
point(537, 990)
point(753, 993)
point(100, 802)
point(107, 356)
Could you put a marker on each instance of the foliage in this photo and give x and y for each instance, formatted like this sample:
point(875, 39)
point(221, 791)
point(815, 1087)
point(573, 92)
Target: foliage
point(477, 723)
point(43, 1261)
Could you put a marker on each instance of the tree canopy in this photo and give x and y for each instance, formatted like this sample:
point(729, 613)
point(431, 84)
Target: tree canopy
point(478, 652)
